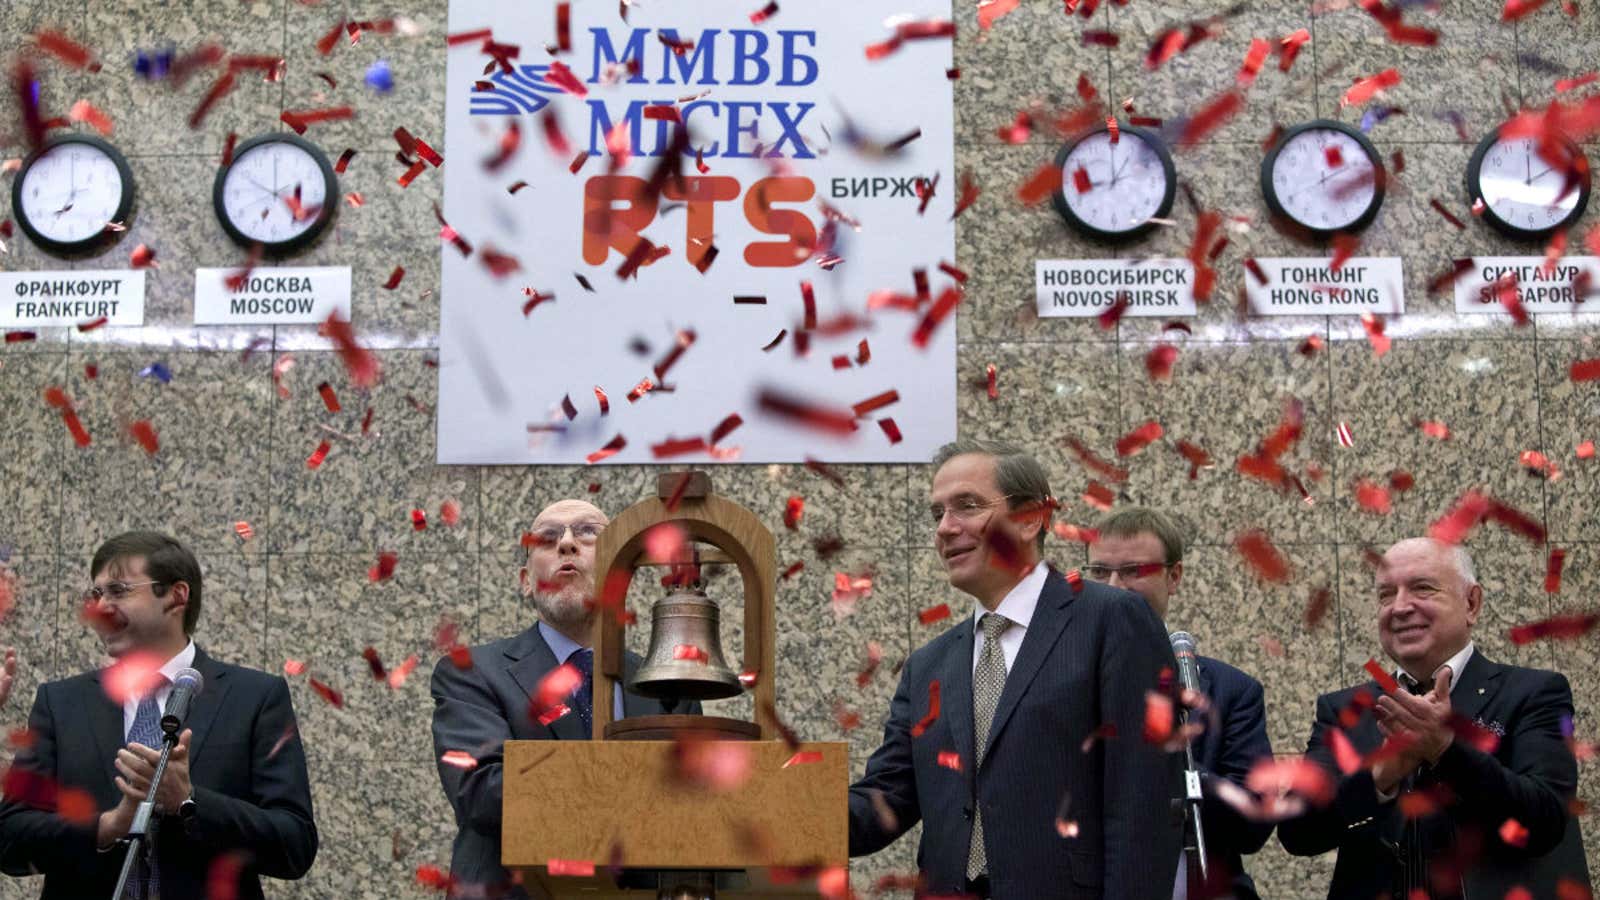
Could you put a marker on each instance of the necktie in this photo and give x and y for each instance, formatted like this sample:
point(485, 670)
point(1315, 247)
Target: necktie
point(583, 698)
point(145, 882)
point(988, 680)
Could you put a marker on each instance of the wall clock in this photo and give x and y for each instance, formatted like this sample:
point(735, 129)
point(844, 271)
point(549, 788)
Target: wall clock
point(1324, 177)
point(1114, 183)
point(1525, 196)
point(279, 192)
point(69, 191)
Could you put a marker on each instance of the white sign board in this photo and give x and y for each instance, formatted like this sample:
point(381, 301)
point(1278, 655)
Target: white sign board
point(87, 296)
point(1085, 288)
point(1572, 280)
point(800, 172)
point(271, 296)
point(1302, 286)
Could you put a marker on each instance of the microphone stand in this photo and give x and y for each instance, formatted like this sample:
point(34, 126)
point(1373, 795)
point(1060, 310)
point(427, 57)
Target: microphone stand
point(1192, 797)
point(137, 839)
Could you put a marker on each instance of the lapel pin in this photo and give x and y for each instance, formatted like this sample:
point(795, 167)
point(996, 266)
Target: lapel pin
point(1480, 690)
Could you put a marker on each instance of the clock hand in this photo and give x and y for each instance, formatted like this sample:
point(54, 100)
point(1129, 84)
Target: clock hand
point(1533, 178)
point(1527, 169)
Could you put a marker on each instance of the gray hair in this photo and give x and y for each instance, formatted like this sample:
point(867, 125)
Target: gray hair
point(1018, 475)
point(1463, 563)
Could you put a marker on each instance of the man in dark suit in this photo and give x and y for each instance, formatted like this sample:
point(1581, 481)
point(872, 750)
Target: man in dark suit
point(1475, 751)
point(1016, 737)
point(480, 706)
point(1141, 550)
point(234, 803)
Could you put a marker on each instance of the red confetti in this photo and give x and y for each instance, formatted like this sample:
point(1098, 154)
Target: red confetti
point(394, 278)
point(890, 430)
point(1317, 606)
point(361, 363)
point(933, 614)
point(1099, 496)
point(299, 120)
point(419, 520)
point(1552, 571)
point(1111, 315)
point(328, 694)
point(1567, 84)
point(318, 455)
point(1364, 89)
point(1211, 117)
point(145, 434)
point(1046, 180)
point(1253, 58)
point(1289, 48)
point(1448, 215)
point(950, 760)
point(1516, 9)
point(793, 510)
point(1373, 325)
point(802, 757)
point(1382, 677)
point(580, 868)
point(992, 376)
point(66, 49)
point(764, 13)
point(84, 111)
point(1139, 438)
point(383, 570)
point(1436, 430)
point(344, 160)
point(329, 398)
point(92, 324)
point(1263, 557)
point(1373, 498)
point(1159, 361)
point(1585, 370)
point(611, 448)
point(1158, 718)
point(1566, 626)
point(1585, 450)
point(937, 313)
point(142, 257)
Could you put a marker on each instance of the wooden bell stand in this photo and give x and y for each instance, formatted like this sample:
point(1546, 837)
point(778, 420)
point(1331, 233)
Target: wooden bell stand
point(615, 803)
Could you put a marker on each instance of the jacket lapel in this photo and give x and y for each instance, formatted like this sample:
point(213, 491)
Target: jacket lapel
point(532, 659)
point(1475, 686)
point(955, 692)
point(203, 709)
point(105, 721)
point(1050, 618)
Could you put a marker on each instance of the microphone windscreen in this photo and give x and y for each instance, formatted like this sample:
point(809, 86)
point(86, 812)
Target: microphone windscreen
point(195, 681)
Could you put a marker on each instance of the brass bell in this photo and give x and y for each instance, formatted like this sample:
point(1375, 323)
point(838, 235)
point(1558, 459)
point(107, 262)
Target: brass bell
point(685, 660)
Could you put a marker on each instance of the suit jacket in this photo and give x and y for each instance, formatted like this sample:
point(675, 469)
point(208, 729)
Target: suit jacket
point(1087, 659)
point(477, 710)
point(1234, 740)
point(1529, 776)
point(246, 764)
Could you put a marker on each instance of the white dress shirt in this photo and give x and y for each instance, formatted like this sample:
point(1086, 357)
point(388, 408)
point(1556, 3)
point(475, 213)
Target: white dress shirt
point(1018, 606)
point(1456, 664)
point(130, 706)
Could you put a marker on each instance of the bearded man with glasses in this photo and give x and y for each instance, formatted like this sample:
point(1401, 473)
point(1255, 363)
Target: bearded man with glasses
point(487, 699)
point(1141, 550)
point(234, 802)
point(1016, 737)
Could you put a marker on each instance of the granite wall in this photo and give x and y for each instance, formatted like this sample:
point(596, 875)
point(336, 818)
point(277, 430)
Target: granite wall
point(235, 437)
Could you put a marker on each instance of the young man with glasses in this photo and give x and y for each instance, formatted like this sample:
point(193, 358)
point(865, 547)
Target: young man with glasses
point(480, 706)
point(1016, 736)
point(1141, 550)
point(235, 791)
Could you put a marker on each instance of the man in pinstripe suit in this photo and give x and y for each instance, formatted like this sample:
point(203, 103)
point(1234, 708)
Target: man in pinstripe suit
point(1016, 736)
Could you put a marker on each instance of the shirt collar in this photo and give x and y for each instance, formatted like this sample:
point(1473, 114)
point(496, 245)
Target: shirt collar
point(184, 660)
point(1018, 605)
point(1457, 664)
point(561, 645)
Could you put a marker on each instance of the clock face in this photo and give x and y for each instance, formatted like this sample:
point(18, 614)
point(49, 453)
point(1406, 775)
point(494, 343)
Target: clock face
point(1523, 192)
point(1113, 189)
point(275, 193)
point(71, 191)
point(1325, 178)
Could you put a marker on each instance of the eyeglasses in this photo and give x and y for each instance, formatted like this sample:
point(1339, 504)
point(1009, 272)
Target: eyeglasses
point(582, 532)
point(1126, 572)
point(116, 590)
point(965, 509)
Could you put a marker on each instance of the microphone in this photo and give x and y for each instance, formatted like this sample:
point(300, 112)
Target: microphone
point(1188, 669)
point(1183, 648)
point(186, 686)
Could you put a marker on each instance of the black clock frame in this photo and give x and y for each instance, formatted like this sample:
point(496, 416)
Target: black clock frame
point(102, 238)
point(1380, 180)
point(318, 225)
point(1474, 183)
point(1151, 140)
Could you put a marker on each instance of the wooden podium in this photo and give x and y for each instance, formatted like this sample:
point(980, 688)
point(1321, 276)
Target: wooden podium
point(616, 804)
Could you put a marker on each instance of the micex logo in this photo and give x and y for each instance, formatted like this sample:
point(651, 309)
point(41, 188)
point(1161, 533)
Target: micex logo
point(522, 91)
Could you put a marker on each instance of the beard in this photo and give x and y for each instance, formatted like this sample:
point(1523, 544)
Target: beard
point(570, 607)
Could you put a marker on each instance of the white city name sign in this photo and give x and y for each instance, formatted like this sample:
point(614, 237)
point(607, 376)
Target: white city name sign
point(1085, 288)
point(271, 296)
point(72, 298)
point(1310, 286)
point(1568, 283)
